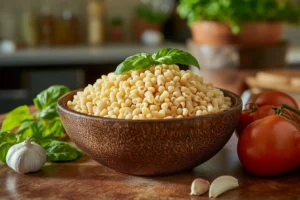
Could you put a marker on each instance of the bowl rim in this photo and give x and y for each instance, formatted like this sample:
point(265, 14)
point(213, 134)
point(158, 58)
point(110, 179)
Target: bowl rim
point(63, 107)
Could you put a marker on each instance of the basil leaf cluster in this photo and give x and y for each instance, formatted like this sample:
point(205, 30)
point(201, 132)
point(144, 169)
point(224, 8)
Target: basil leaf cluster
point(166, 56)
point(43, 127)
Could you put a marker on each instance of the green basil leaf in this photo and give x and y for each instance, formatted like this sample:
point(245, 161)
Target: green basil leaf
point(49, 112)
point(163, 56)
point(60, 151)
point(175, 56)
point(15, 117)
point(135, 62)
point(50, 96)
point(54, 129)
point(4, 147)
point(7, 139)
point(33, 129)
point(8, 136)
point(37, 104)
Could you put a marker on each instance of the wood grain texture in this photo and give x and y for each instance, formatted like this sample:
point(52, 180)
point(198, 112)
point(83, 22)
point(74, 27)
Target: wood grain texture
point(284, 80)
point(86, 179)
point(150, 147)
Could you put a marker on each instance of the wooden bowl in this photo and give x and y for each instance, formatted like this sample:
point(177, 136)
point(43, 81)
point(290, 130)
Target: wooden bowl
point(150, 147)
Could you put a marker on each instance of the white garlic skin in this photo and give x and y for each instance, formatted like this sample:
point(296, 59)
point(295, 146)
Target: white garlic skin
point(26, 157)
point(199, 186)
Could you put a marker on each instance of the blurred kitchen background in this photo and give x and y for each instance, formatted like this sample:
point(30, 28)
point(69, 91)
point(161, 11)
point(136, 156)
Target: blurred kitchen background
point(73, 42)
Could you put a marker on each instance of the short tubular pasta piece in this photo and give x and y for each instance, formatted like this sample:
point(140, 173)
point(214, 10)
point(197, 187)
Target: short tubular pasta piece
point(159, 92)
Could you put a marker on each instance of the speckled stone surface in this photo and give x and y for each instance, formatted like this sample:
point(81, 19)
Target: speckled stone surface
point(150, 147)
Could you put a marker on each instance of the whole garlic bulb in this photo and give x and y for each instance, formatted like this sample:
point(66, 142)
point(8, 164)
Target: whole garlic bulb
point(26, 157)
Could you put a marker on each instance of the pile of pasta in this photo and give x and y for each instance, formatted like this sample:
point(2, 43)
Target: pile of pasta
point(159, 92)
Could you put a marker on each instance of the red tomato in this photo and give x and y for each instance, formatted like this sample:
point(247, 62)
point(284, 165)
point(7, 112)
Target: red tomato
point(252, 99)
point(247, 117)
point(270, 146)
point(272, 98)
point(295, 117)
point(263, 112)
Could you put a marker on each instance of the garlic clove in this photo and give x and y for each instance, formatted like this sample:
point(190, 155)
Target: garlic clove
point(26, 157)
point(199, 186)
point(222, 184)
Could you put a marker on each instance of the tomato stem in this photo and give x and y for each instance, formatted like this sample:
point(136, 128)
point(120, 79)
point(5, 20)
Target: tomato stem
point(289, 108)
point(253, 108)
point(291, 117)
point(286, 116)
point(277, 110)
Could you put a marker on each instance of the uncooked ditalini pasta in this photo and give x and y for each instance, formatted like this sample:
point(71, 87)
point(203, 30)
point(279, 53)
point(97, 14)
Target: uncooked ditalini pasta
point(159, 92)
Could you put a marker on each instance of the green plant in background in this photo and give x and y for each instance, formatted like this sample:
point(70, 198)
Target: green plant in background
point(237, 12)
point(116, 21)
point(155, 11)
point(43, 127)
point(151, 15)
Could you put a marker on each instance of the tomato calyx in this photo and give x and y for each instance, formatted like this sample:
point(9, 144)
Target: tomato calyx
point(252, 109)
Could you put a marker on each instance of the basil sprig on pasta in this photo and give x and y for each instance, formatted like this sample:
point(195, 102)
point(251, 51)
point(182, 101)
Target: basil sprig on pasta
point(166, 56)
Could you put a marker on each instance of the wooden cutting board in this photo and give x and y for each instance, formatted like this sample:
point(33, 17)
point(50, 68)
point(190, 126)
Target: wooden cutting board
point(287, 80)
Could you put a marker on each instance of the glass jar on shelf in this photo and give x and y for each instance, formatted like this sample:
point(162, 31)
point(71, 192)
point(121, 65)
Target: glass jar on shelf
point(67, 29)
point(116, 30)
point(96, 22)
point(30, 23)
point(30, 28)
point(8, 26)
point(47, 25)
point(72, 23)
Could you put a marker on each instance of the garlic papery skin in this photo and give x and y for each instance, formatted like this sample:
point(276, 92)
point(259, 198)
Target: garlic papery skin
point(26, 157)
point(199, 186)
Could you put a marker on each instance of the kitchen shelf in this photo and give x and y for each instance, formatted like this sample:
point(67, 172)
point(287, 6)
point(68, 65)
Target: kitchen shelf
point(110, 53)
point(84, 55)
